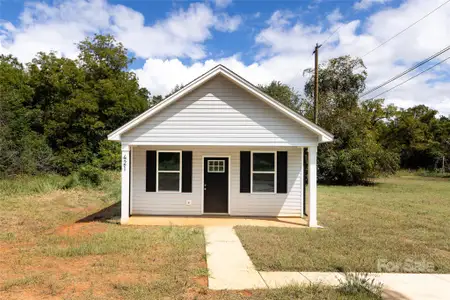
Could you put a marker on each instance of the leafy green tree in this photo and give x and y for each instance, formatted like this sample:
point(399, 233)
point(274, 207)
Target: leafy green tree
point(108, 156)
point(21, 149)
point(355, 156)
point(155, 99)
point(283, 93)
point(442, 136)
point(58, 104)
point(419, 136)
point(80, 101)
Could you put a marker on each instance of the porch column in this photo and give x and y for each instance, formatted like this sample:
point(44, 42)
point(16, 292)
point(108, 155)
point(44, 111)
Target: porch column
point(125, 199)
point(312, 185)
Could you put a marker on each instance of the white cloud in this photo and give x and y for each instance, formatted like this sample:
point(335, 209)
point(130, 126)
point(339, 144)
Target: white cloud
point(228, 23)
point(160, 75)
point(44, 27)
point(222, 3)
point(366, 4)
point(284, 46)
point(280, 18)
point(335, 16)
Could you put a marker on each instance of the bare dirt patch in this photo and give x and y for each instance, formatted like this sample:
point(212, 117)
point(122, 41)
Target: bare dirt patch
point(201, 280)
point(81, 229)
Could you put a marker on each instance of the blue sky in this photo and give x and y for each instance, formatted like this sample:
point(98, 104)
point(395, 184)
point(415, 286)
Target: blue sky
point(175, 41)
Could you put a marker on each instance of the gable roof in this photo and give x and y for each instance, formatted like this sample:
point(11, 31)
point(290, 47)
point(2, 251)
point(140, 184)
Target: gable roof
point(324, 136)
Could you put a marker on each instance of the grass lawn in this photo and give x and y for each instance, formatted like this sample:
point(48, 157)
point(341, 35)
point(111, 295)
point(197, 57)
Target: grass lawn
point(403, 219)
point(51, 249)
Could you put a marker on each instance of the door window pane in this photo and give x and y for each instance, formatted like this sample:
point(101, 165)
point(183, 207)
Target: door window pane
point(216, 166)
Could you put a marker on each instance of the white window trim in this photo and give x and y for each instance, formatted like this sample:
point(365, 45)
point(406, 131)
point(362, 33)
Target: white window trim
point(264, 172)
point(179, 171)
point(218, 160)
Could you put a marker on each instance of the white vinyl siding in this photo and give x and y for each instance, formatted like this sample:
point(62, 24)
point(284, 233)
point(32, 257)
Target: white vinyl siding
point(241, 204)
point(220, 113)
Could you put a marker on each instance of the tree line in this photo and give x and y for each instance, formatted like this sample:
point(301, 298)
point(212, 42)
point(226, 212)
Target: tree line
point(56, 112)
point(371, 139)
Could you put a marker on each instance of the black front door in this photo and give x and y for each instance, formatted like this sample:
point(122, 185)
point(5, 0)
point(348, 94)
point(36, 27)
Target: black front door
point(215, 189)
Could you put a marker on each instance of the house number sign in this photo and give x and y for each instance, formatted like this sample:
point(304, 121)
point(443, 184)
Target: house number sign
point(125, 162)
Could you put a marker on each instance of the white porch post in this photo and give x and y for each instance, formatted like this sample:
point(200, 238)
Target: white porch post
point(312, 185)
point(125, 200)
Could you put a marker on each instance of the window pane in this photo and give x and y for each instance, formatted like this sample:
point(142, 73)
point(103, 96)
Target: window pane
point(263, 162)
point(263, 183)
point(169, 182)
point(169, 161)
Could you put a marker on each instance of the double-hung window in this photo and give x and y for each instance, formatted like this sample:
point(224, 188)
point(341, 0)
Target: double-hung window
point(263, 172)
point(169, 171)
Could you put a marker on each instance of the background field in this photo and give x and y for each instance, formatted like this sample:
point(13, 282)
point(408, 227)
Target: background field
point(398, 218)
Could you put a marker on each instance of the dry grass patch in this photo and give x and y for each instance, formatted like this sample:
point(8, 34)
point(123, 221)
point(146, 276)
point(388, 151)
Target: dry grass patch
point(400, 219)
point(66, 244)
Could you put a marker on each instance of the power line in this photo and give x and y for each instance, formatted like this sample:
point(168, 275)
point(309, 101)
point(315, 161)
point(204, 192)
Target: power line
point(401, 83)
point(323, 43)
point(407, 71)
point(396, 35)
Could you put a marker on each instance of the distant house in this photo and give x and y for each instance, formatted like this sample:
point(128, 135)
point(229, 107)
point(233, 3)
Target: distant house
point(218, 146)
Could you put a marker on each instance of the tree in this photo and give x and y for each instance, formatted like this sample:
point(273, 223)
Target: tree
point(418, 136)
point(355, 155)
point(158, 98)
point(283, 94)
point(80, 101)
point(21, 149)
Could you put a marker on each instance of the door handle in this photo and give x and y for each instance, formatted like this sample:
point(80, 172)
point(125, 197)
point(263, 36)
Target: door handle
point(204, 187)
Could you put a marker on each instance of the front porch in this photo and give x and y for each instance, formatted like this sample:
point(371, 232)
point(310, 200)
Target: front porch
point(278, 207)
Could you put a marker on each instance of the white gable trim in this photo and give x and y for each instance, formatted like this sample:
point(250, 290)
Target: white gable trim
point(324, 136)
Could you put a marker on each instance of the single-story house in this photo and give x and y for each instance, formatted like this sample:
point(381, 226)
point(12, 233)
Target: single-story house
point(218, 146)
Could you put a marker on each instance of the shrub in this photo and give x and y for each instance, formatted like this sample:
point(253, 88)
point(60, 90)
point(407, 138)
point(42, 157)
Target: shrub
point(108, 155)
point(87, 176)
point(357, 164)
point(90, 176)
point(357, 283)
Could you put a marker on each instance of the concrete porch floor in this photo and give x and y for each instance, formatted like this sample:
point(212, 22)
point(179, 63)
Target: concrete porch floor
point(218, 221)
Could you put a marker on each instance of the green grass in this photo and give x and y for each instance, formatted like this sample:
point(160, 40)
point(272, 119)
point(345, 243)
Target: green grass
point(123, 240)
point(29, 185)
point(21, 282)
point(313, 292)
point(403, 219)
point(31, 205)
point(50, 250)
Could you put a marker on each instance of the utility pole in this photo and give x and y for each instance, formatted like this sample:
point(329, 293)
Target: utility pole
point(316, 83)
point(316, 115)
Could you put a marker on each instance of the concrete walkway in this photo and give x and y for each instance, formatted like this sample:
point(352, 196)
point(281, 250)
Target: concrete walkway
point(230, 268)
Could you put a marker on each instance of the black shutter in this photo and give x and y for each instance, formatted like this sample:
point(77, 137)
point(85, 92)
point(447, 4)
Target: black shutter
point(186, 172)
point(245, 171)
point(282, 168)
point(150, 172)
